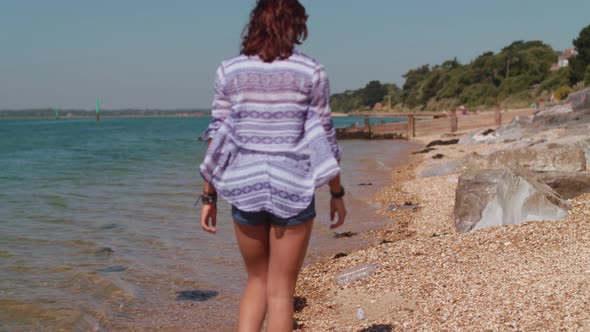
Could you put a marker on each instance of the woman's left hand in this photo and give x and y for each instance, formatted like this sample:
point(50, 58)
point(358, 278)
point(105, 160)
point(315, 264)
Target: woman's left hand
point(209, 218)
point(337, 207)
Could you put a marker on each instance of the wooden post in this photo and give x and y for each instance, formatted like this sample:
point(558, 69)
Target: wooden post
point(368, 125)
point(498, 115)
point(454, 124)
point(411, 126)
point(388, 103)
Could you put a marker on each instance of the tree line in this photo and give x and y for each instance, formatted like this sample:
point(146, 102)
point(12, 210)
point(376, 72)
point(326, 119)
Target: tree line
point(517, 75)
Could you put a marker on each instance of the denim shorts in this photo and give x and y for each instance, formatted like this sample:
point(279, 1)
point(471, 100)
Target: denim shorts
point(265, 218)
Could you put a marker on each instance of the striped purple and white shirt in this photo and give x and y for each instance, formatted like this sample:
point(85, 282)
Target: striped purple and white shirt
point(273, 137)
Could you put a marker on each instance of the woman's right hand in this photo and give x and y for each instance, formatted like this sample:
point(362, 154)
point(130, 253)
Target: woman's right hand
point(337, 207)
point(209, 218)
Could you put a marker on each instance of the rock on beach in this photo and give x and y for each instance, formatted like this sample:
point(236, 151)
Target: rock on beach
point(488, 198)
point(438, 274)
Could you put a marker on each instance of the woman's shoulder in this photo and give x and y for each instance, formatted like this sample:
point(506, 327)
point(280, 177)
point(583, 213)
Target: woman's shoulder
point(297, 60)
point(306, 59)
point(235, 60)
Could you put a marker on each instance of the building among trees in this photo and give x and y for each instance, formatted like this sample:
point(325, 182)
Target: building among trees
point(563, 59)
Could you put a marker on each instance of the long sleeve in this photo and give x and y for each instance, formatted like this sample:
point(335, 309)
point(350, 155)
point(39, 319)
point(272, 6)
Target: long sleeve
point(221, 106)
point(320, 104)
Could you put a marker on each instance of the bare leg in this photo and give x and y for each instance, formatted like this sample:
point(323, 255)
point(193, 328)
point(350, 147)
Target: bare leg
point(254, 247)
point(287, 251)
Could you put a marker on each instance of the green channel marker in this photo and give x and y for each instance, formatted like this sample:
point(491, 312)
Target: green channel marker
point(57, 113)
point(97, 109)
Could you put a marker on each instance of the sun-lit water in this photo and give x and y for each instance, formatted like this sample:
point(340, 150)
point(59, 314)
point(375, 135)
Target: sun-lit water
point(98, 228)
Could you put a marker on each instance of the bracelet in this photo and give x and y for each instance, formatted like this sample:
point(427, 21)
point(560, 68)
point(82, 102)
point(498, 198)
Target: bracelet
point(207, 198)
point(338, 195)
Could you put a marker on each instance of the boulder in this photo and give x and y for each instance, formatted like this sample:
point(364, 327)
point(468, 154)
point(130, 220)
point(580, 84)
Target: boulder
point(502, 134)
point(545, 157)
point(520, 144)
point(487, 198)
point(573, 111)
point(579, 100)
point(567, 185)
point(535, 156)
point(582, 141)
point(554, 110)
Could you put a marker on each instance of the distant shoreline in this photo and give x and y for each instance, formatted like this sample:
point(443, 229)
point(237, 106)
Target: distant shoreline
point(63, 114)
point(101, 117)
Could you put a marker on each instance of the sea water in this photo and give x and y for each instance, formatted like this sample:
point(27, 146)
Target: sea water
point(98, 230)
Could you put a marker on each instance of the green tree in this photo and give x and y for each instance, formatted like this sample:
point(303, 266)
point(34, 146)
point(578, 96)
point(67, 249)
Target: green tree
point(373, 93)
point(486, 68)
point(555, 80)
point(579, 62)
point(453, 82)
point(411, 88)
point(479, 94)
point(393, 92)
point(431, 86)
point(516, 73)
point(510, 55)
point(347, 101)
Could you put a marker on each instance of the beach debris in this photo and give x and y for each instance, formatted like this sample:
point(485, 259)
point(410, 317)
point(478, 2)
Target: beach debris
point(104, 252)
point(196, 295)
point(378, 328)
point(424, 151)
point(406, 206)
point(441, 234)
point(353, 274)
point(344, 234)
point(297, 325)
point(299, 302)
point(441, 142)
point(339, 255)
point(117, 268)
point(489, 198)
point(438, 156)
point(365, 184)
point(384, 241)
point(109, 226)
point(487, 132)
point(360, 314)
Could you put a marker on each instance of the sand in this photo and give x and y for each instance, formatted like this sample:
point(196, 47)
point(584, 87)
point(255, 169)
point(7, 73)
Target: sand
point(529, 277)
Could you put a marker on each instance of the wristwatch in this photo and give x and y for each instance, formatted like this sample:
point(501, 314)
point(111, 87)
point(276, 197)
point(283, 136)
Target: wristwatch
point(338, 195)
point(209, 198)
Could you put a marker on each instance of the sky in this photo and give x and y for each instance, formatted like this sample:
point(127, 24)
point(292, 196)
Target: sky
point(163, 54)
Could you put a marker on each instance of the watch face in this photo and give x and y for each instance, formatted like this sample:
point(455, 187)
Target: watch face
point(207, 199)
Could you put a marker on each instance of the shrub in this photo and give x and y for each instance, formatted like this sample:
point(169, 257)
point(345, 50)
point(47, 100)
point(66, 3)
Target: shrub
point(587, 76)
point(555, 80)
point(479, 94)
point(563, 92)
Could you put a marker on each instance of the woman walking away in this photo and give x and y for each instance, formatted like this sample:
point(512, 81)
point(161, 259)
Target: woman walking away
point(271, 144)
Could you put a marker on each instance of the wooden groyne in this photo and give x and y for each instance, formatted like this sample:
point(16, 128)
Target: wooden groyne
point(426, 123)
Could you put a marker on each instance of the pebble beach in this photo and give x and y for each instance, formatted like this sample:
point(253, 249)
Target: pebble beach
point(529, 277)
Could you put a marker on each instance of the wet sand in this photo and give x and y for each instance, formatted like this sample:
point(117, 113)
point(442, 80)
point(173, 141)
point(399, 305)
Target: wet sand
point(206, 297)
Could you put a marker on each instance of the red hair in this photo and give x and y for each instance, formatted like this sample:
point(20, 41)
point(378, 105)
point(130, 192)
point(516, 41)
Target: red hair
point(275, 27)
